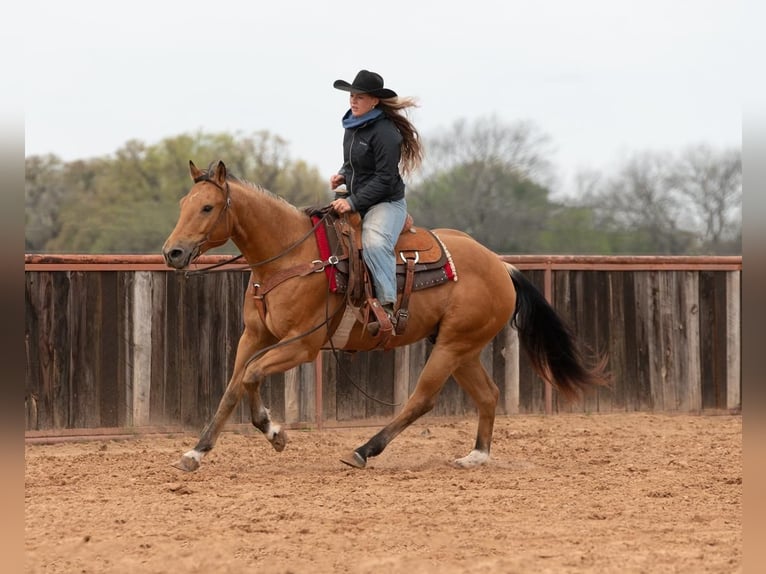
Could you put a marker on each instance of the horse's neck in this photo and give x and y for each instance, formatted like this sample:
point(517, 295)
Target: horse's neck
point(266, 226)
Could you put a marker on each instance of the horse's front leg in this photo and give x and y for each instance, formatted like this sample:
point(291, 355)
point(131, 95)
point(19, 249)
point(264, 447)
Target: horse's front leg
point(277, 360)
point(190, 461)
point(261, 418)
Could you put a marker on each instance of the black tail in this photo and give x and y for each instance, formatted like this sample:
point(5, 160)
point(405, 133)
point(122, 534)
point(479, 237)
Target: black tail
point(550, 343)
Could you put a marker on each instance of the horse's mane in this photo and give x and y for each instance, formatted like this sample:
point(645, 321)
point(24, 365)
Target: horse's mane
point(249, 184)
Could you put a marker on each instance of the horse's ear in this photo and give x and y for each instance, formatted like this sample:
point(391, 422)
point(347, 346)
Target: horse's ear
point(220, 173)
point(194, 171)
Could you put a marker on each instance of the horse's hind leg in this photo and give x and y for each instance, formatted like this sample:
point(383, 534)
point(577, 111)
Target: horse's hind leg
point(473, 378)
point(423, 398)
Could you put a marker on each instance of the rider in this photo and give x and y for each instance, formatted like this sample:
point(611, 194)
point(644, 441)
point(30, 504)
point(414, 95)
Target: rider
point(379, 139)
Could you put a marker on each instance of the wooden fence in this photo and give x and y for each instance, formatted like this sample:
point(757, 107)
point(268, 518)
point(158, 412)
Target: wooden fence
point(122, 343)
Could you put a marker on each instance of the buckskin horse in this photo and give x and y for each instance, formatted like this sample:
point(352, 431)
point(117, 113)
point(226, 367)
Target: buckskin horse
point(298, 315)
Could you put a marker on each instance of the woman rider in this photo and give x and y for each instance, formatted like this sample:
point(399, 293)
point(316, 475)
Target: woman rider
point(379, 140)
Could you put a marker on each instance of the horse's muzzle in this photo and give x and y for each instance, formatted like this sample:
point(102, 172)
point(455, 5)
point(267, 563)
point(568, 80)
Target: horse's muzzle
point(177, 257)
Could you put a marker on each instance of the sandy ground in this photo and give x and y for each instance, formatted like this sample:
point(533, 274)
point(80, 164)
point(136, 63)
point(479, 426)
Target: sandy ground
point(567, 493)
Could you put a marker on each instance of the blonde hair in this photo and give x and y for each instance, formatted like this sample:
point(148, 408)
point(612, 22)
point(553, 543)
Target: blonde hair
point(412, 148)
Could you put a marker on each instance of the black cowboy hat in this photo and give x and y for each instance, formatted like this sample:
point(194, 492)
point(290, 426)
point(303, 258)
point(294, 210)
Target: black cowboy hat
point(366, 82)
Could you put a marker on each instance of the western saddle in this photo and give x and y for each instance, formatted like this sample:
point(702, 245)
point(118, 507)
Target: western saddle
point(422, 262)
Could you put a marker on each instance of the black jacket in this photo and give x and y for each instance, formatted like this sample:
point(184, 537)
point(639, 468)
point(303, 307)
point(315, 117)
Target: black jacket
point(371, 154)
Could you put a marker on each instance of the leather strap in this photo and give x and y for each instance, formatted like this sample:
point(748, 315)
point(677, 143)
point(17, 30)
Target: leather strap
point(402, 315)
point(315, 266)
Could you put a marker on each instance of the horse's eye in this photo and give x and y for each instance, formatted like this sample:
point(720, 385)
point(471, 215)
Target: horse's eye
point(207, 209)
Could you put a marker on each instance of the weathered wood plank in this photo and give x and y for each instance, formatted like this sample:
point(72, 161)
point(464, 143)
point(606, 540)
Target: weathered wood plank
point(686, 345)
point(160, 348)
point(629, 379)
point(174, 381)
point(124, 348)
point(292, 394)
point(307, 393)
point(720, 334)
point(39, 360)
point(665, 344)
point(351, 375)
point(603, 305)
point(645, 341)
point(511, 350)
point(58, 391)
point(380, 384)
point(84, 341)
point(188, 334)
point(108, 379)
point(733, 340)
point(713, 337)
point(401, 376)
point(616, 341)
point(142, 347)
point(329, 386)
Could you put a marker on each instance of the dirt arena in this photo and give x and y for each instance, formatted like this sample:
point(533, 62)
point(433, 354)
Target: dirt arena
point(566, 493)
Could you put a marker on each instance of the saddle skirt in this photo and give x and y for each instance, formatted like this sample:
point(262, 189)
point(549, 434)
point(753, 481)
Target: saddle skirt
point(417, 248)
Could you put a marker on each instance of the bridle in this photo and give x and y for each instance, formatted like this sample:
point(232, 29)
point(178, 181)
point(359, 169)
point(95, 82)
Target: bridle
point(205, 177)
point(227, 193)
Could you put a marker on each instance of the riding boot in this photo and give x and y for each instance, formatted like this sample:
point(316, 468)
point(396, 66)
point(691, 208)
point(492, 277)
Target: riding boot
point(389, 309)
point(373, 327)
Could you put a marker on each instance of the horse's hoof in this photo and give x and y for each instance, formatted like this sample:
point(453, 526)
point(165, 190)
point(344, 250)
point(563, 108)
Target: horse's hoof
point(354, 459)
point(187, 464)
point(279, 440)
point(474, 459)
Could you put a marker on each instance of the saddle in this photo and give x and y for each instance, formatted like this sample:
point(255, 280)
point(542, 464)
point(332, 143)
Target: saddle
point(422, 262)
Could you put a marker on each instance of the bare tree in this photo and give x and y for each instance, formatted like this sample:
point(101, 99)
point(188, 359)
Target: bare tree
point(709, 184)
point(484, 178)
point(519, 146)
point(638, 202)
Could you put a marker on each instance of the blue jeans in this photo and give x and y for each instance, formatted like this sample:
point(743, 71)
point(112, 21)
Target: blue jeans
point(381, 227)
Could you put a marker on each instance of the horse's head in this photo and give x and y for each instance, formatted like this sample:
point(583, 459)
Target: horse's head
point(205, 220)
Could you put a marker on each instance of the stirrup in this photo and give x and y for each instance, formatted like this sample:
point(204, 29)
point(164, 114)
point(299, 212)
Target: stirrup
point(374, 327)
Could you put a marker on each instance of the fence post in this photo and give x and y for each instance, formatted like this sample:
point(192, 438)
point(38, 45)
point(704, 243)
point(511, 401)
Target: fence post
point(142, 347)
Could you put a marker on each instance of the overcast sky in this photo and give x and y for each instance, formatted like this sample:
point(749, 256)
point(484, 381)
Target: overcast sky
point(603, 78)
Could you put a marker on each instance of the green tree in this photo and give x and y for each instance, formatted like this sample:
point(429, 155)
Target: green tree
point(490, 201)
point(44, 192)
point(128, 202)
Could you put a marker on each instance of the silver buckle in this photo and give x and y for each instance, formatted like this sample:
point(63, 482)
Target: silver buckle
point(417, 256)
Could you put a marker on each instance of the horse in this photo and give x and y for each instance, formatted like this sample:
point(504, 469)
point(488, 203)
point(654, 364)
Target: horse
point(297, 318)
